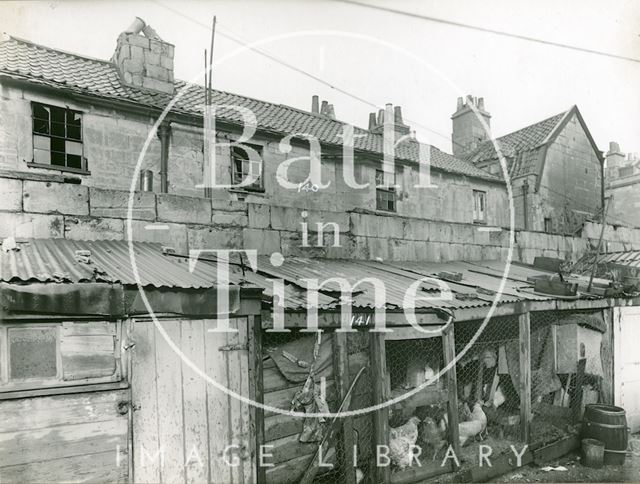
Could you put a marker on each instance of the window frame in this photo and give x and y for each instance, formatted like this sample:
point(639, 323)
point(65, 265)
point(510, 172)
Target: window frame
point(479, 214)
point(83, 170)
point(386, 190)
point(548, 225)
point(258, 185)
point(57, 383)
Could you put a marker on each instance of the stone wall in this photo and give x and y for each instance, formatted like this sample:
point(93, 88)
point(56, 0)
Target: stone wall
point(570, 186)
point(83, 212)
point(113, 141)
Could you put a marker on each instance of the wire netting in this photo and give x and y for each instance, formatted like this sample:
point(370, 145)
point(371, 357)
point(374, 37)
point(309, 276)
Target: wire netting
point(418, 423)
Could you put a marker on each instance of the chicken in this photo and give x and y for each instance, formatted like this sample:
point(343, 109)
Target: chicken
point(402, 441)
point(475, 426)
point(432, 435)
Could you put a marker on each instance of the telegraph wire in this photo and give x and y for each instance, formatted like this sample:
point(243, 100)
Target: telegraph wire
point(489, 31)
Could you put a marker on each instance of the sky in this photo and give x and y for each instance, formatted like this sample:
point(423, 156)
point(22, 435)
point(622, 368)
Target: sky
point(382, 57)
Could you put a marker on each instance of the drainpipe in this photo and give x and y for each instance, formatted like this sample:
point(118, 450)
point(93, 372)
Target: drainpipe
point(525, 209)
point(164, 133)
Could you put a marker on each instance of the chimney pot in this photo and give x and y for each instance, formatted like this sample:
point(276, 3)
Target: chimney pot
point(614, 147)
point(481, 103)
point(136, 26)
point(372, 121)
point(460, 104)
point(323, 109)
point(380, 117)
point(330, 112)
point(397, 115)
point(315, 101)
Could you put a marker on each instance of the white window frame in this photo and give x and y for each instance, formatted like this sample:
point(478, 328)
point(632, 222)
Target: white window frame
point(479, 206)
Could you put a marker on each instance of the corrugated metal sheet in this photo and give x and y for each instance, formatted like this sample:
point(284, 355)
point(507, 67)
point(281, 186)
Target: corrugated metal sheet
point(630, 258)
point(55, 260)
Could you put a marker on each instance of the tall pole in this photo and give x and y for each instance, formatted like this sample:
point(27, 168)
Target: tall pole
point(595, 260)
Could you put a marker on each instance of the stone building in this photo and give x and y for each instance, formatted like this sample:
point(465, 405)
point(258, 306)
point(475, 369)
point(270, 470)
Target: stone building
point(74, 129)
point(622, 184)
point(554, 165)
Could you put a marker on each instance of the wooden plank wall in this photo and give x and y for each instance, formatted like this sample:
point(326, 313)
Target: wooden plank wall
point(289, 456)
point(184, 427)
point(64, 438)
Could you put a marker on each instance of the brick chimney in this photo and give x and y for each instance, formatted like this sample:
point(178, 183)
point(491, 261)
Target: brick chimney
point(468, 131)
point(143, 59)
point(394, 115)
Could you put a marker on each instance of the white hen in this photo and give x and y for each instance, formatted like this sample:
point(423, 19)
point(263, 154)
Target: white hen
point(476, 424)
point(401, 442)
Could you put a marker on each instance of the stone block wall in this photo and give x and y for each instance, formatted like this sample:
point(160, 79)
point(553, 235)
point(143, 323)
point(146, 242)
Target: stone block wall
point(197, 223)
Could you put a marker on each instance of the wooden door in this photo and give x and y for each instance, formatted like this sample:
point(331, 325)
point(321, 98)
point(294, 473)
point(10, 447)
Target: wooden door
point(184, 429)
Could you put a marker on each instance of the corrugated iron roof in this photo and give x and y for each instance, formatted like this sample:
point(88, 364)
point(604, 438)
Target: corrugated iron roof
point(629, 258)
point(58, 260)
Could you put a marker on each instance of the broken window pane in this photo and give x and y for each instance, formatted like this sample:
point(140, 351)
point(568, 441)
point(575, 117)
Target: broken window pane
point(32, 353)
point(57, 136)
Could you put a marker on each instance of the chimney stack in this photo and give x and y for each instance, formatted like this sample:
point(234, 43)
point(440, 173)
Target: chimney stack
point(394, 116)
point(468, 130)
point(325, 109)
point(143, 59)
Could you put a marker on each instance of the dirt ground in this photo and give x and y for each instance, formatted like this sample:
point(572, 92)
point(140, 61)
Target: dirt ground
point(629, 472)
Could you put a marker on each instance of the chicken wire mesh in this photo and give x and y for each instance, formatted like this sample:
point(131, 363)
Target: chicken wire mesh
point(300, 373)
point(417, 424)
point(566, 370)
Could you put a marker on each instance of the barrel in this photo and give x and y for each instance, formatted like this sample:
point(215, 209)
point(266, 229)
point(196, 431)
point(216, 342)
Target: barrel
point(608, 424)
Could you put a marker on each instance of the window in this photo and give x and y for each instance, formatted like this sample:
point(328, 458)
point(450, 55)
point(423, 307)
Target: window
point(625, 171)
point(243, 166)
point(548, 226)
point(386, 191)
point(45, 355)
point(57, 138)
point(479, 206)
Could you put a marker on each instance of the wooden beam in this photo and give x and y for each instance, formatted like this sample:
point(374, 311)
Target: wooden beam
point(525, 376)
point(256, 392)
point(380, 395)
point(343, 381)
point(449, 351)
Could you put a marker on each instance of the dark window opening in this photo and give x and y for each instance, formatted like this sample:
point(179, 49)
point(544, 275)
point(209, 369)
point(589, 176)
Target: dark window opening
point(479, 206)
point(243, 167)
point(548, 226)
point(386, 191)
point(57, 137)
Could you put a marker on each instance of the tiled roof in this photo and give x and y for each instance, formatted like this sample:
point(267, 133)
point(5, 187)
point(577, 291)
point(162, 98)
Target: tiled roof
point(525, 139)
point(25, 60)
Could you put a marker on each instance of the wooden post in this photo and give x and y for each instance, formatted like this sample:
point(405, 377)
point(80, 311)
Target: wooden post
point(525, 376)
point(343, 381)
point(449, 351)
point(380, 395)
point(256, 391)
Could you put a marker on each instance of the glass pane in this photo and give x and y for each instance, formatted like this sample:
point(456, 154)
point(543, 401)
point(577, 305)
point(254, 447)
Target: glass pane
point(41, 126)
point(73, 118)
point(74, 161)
point(41, 142)
point(58, 158)
point(58, 115)
point(73, 148)
point(32, 353)
point(73, 132)
point(41, 112)
point(57, 129)
point(41, 156)
point(58, 144)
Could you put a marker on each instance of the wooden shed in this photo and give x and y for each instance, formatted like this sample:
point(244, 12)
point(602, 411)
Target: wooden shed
point(93, 389)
